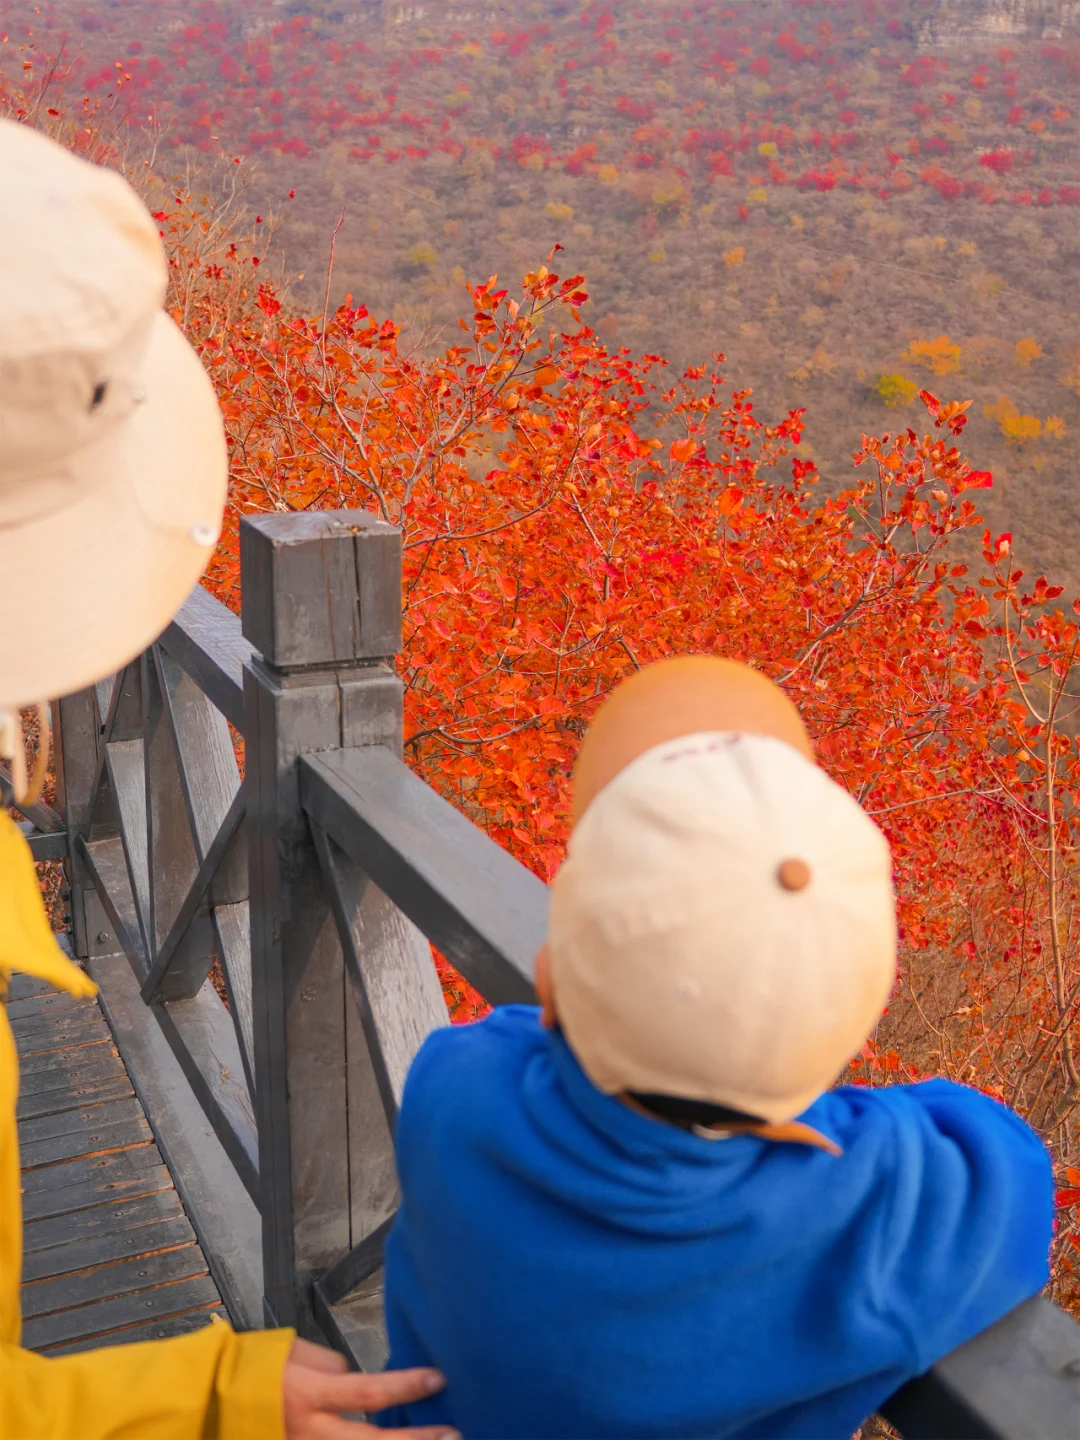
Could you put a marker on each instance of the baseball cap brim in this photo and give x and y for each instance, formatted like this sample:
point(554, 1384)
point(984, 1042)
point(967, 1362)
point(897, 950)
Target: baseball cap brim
point(90, 585)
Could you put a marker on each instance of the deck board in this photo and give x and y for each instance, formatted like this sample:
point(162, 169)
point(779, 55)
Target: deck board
point(109, 1254)
point(125, 1216)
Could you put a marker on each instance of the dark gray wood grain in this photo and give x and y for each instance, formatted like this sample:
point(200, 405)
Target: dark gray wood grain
point(360, 1265)
point(125, 714)
point(476, 903)
point(76, 731)
point(301, 608)
point(173, 861)
point(219, 1207)
point(232, 926)
point(48, 1036)
point(122, 1277)
point(101, 1139)
point(24, 987)
point(201, 1035)
point(397, 991)
point(55, 1102)
point(71, 1072)
point(205, 640)
point(53, 1063)
point(329, 584)
point(48, 1002)
point(120, 1217)
point(45, 847)
point(102, 694)
point(355, 1325)
point(106, 1248)
point(208, 770)
point(107, 868)
point(162, 1329)
point(298, 995)
point(92, 1180)
point(1018, 1380)
point(87, 1120)
point(187, 952)
point(124, 760)
point(140, 1306)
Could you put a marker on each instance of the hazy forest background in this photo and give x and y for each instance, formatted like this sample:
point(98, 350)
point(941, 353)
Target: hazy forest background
point(806, 187)
point(869, 208)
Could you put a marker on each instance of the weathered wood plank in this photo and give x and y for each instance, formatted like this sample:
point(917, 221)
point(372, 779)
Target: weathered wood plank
point(203, 1039)
point(102, 1282)
point(85, 1120)
point(233, 926)
point(108, 872)
point(298, 997)
point(114, 1217)
point(88, 1065)
point(225, 1219)
point(483, 909)
point(329, 587)
point(55, 1102)
point(1018, 1380)
point(186, 954)
point(103, 693)
point(105, 1139)
point(205, 639)
point(124, 759)
point(54, 1063)
point(107, 1247)
point(396, 987)
point(49, 1002)
point(133, 1334)
point(301, 605)
point(355, 1326)
point(29, 1028)
point(78, 1028)
point(374, 1193)
point(23, 987)
point(207, 762)
point(171, 850)
point(88, 1320)
point(45, 847)
point(91, 1180)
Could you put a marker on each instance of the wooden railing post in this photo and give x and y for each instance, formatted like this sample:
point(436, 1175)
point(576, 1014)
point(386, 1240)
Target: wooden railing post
point(321, 604)
point(76, 730)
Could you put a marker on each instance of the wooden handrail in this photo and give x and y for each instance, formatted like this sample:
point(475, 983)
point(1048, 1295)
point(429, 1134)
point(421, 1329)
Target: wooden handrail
point(350, 864)
point(206, 641)
point(486, 912)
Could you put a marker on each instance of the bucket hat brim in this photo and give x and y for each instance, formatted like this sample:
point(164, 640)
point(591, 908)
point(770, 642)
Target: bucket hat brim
point(92, 584)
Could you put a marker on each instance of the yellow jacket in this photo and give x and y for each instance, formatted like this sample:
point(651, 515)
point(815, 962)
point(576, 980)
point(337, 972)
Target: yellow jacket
point(211, 1385)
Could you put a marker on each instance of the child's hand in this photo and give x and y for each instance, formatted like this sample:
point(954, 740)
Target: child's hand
point(319, 1388)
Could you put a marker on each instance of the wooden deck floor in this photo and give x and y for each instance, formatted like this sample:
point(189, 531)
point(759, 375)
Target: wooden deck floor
point(109, 1255)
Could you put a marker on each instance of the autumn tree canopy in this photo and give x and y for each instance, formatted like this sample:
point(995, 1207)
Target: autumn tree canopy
point(572, 511)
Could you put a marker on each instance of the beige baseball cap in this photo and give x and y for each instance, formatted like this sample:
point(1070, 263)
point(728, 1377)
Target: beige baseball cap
point(113, 461)
point(723, 928)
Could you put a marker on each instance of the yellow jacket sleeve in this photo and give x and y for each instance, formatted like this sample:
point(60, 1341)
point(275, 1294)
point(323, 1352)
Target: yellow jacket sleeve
point(212, 1385)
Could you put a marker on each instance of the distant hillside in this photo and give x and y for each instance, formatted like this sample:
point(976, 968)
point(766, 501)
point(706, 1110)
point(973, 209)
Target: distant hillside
point(850, 200)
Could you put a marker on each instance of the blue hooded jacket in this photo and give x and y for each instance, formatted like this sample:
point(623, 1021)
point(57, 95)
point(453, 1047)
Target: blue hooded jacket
point(578, 1269)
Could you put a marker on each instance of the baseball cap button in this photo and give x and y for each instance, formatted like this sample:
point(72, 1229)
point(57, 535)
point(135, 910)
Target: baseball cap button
point(793, 874)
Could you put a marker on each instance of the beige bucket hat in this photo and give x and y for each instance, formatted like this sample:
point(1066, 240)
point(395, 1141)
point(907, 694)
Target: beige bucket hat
point(113, 460)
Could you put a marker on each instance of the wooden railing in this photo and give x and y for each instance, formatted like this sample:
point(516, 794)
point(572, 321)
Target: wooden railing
point(316, 885)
